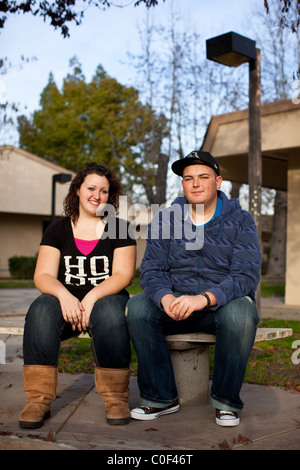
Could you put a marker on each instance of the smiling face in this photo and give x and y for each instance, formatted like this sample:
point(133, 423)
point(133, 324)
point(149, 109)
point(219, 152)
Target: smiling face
point(93, 193)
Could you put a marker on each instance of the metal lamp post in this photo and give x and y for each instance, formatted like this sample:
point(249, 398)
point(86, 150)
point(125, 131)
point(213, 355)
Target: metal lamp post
point(232, 50)
point(58, 178)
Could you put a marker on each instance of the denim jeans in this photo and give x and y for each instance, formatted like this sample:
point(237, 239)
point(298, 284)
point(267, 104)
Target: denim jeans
point(234, 326)
point(45, 328)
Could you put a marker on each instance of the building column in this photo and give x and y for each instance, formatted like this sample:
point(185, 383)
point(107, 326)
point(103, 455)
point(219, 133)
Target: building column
point(292, 278)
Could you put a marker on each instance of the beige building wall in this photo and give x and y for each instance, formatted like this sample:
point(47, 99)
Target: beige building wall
point(292, 293)
point(25, 202)
point(26, 183)
point(20, 235)
point(279, 130)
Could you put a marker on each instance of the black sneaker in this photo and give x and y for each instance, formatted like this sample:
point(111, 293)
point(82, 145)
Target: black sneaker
point(227, 418)
point(147, 413)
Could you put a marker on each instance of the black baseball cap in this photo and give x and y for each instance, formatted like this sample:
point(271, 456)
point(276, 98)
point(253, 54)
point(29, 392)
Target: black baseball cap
point(196, 157)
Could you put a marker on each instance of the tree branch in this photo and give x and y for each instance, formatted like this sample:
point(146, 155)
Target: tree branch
point(60, 13)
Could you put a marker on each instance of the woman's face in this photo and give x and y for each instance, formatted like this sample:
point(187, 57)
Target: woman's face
point(93, 194)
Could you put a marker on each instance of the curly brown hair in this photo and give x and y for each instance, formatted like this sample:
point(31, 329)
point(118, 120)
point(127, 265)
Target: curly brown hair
point(71, 202)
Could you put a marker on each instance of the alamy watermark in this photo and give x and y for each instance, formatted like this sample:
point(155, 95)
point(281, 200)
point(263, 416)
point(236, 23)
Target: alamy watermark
point(296, 354)
point(166, 222)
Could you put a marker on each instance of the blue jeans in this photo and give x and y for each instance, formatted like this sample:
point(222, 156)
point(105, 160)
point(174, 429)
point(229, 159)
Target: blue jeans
point(234, 326)
point(45, 328)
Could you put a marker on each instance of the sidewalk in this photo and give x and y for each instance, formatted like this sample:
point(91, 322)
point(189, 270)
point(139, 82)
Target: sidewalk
point(270, 420)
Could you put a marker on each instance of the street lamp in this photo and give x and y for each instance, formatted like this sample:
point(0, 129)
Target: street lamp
point(58, 178)
point(232, 49)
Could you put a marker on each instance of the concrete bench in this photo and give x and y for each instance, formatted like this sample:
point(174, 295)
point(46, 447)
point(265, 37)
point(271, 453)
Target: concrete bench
point(190, 359)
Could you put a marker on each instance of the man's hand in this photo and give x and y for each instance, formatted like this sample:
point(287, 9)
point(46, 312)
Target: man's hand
point(180, 308)
point(166, 301)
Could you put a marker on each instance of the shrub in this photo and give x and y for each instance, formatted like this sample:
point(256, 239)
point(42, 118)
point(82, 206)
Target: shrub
point(22, 267)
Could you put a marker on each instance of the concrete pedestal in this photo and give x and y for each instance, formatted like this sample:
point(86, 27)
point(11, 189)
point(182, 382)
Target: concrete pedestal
point(190, 359)
point(191, 369)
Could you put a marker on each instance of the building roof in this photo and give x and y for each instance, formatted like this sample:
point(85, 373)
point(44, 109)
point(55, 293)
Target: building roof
point(227, 139)
point(26, 183)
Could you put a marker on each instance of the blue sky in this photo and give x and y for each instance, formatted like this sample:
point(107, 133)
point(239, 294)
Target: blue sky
point(105, 37)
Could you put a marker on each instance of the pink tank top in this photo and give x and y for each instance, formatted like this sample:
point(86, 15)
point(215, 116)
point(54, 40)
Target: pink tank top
point(85, 246)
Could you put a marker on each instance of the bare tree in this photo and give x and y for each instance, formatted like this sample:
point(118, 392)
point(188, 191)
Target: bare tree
point(277, 258)
point(9, 110)
point(289, 13)
point(272, 37)
point(295, 14)
point(174, 78)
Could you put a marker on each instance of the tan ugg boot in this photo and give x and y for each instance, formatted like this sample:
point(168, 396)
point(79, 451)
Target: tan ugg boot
point(113, 386)
point(40, 383)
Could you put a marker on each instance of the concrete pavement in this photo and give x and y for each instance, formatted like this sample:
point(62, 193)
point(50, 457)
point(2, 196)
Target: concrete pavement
point(270, 419)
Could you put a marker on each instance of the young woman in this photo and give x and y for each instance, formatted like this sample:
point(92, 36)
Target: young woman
point(85, 262)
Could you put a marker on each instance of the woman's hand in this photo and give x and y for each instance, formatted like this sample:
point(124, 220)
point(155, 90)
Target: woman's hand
point(123, 269)
point(87, 304)
point(45, 278)
point(72, 310)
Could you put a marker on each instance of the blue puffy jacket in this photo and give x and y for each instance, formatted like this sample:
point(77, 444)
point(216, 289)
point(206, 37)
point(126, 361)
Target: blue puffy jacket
point(227, 263)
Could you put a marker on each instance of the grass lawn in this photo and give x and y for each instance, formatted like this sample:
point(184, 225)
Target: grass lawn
point(267, 289)
point(16, 283)
point(270, 362)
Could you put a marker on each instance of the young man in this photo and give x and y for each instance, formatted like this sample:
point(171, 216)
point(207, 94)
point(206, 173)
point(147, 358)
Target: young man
point(200, 278)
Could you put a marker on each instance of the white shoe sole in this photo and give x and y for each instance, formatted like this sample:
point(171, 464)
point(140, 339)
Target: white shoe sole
point(141, 415)
point(228, 422)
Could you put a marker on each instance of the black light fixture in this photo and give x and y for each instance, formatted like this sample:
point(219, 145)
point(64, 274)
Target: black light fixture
point(58, 178)
point(230, 49)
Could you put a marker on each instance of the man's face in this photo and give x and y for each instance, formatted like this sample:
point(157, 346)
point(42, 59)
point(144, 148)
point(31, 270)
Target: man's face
point(200, 184)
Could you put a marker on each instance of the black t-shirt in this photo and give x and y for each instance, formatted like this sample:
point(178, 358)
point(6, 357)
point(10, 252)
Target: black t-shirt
point(79, 273)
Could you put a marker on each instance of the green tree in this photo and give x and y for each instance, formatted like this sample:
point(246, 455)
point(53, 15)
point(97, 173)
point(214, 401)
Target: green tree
point(101, 121)
point(55, 132)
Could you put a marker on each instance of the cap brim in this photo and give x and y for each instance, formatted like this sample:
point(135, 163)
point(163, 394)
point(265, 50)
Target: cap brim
point(178, 166)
